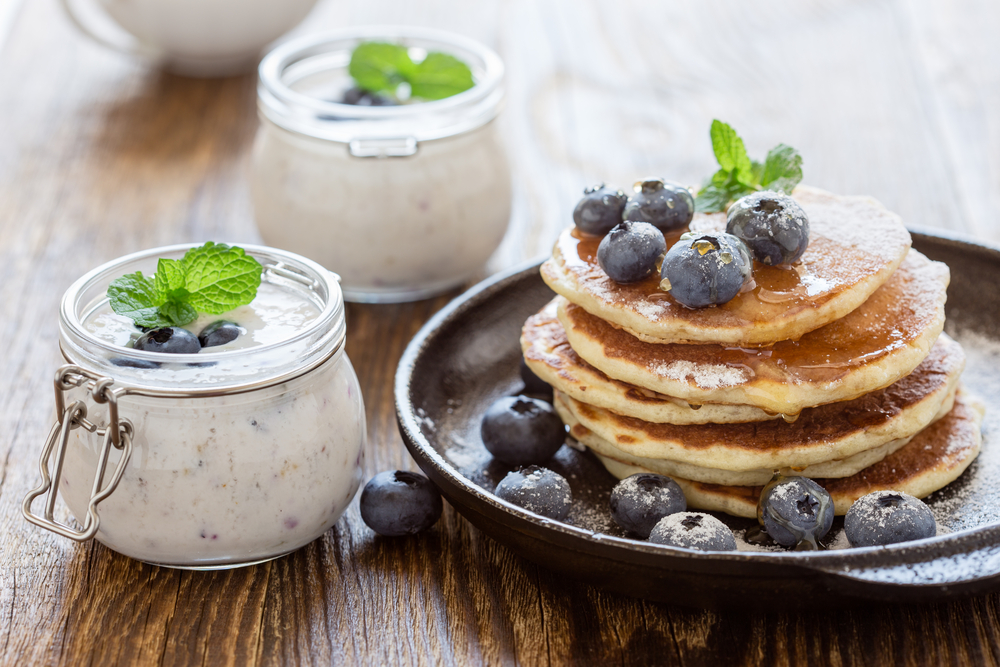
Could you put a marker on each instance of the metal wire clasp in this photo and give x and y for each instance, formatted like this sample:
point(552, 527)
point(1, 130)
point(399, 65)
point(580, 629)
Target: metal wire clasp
point(117, 434)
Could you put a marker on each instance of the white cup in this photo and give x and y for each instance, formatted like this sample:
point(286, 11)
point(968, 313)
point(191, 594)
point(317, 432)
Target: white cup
point(193, 37)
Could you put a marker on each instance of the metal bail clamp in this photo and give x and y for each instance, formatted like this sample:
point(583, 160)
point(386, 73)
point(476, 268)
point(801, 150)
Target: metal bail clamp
point(117, 434)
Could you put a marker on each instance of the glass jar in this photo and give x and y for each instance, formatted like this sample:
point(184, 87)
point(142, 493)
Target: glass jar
point(405, 201)
point(208, 460)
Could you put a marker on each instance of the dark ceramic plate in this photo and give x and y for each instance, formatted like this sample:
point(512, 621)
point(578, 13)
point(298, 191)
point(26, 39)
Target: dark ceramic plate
point(468, 354)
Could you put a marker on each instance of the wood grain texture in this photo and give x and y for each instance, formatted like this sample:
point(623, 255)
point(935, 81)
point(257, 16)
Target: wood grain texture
point(100, 156)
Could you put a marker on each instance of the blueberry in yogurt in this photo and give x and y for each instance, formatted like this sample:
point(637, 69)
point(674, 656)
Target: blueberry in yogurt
point(521, 430)
point(795, 511)
point(599, 210)
point(639, 502)
point(219, 333)
point(773, 225)
point(362, 98)
point(665, 205)
point(706, 269)
point(693, 530)
point(169, 340)
point(888, 517)
point(630, 251)
point(538, 490)
point(397, 502)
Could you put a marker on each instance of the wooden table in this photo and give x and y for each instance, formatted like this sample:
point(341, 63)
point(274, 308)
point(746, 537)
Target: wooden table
point(100, 156)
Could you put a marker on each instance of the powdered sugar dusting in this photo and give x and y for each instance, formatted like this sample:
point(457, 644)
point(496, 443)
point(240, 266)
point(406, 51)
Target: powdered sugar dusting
point(706, 376)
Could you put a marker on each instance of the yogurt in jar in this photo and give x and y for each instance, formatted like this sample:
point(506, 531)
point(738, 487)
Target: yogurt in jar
point(405, 201)
point(241, 453)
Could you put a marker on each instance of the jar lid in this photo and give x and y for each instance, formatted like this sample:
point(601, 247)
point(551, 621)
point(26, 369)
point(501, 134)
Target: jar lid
point(206, 373)
point(301, 80)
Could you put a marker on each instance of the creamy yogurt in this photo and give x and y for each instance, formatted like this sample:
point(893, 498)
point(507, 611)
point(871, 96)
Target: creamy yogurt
point(223, 473)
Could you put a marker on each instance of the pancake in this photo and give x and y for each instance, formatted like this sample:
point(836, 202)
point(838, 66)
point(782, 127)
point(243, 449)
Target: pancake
point(549, 356)
point(855, 245)
point(934, 458)
point(870, 348)
point(836, 468)
point(825, 433)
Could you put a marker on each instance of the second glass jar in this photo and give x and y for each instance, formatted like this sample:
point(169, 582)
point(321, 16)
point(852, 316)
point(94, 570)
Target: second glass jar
point(405, 201)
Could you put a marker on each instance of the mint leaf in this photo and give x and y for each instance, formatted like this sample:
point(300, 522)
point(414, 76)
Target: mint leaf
point(170, 281)
point(213, 278)
point(782, 169)
point(134, 296)
point(220, 277)
point(439, 75)
point(730, 151)
point(379, 66)
point(739, 175)
point(178, 312)
point(711, 199)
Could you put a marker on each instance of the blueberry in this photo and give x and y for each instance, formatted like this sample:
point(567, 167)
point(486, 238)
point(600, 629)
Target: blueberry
point(171, 340)
point(666, 205)
point(693, 530)
point(888, 517)
point(363, 98)
point(520, 430)
point(640, 501)
point(134, 363)
point(630, 251)
point(534, 384)
point(795, 511)
point(397, 502)
point(705, 269)
point(599, 210)
point(773, 226)
point(219, 333)
point(538, 490)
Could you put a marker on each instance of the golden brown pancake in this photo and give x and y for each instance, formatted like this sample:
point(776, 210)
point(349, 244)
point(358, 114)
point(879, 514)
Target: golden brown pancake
point(855, 245)
point(932, 459)
point(829, 432)
point(870, 348)
point(548, 354)
point(844, 467)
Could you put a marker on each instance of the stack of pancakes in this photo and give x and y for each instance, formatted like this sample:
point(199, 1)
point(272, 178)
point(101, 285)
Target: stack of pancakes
point(835, 368)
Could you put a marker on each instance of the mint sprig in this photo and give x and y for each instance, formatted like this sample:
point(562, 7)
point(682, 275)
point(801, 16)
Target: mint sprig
point(380, 67)
point(213, 279)
point(738, 175)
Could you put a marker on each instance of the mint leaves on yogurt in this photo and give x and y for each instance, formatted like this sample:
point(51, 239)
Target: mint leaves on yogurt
point(738, 175)
point(381, 67)
point(212, 279)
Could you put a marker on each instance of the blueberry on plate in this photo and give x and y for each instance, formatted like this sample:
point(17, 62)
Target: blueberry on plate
point(599, 210)
point(888, 517)
point(520, 430)
point(631, 251)
point(538, 490)
point(706, 269)
point(397, 502)
point(795, 511)
point(693, 530)
point(219, 333)
point(639, 502)
point(668, 206)
point(773, 225)
point(170, 340)
point(534, 384)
